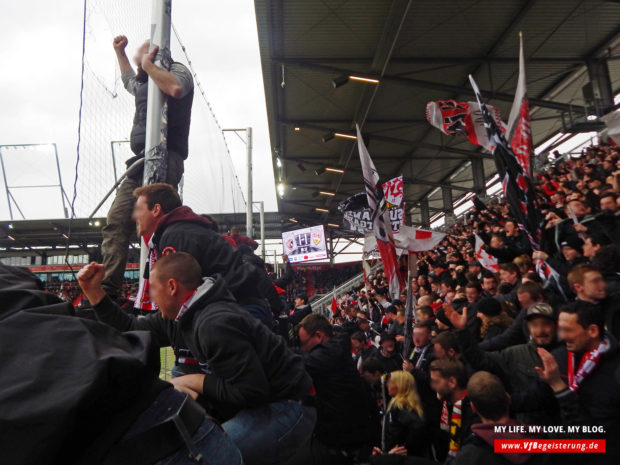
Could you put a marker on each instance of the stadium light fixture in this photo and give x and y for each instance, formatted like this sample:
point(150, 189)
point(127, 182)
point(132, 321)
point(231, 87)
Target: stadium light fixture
point(340, 81)
point(10, 226)
point(281, 188)
point(11, 237)
point(334, 170)
point(327, 193)
point(319, 171)
point(333, 225)
point(327, 137)
point(297, 129)
point(342, 135)
point(293, 220)
point(278, 162)
point(364, 79)
point(322, 210)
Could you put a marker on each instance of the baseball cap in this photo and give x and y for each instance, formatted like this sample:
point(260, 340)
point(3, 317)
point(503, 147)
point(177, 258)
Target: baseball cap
point(540, 309)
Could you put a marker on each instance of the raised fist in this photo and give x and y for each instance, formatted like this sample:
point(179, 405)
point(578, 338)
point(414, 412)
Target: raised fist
point(119, 43)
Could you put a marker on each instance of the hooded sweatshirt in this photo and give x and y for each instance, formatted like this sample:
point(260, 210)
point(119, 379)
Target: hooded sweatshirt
point(181, 230)
point(478, 448)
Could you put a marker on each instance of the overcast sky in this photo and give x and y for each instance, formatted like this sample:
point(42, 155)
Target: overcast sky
point(41, 50)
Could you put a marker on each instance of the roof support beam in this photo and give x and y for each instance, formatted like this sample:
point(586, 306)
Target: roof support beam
point(395, 140)
point(454, 89)
point(431, 60)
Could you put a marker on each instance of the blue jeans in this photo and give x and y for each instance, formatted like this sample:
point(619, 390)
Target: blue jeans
point(214, 445)
point(271, 433)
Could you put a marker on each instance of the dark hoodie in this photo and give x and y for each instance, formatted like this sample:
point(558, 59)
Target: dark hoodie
point(478, 448)
point(181, 230)
point(250, 366)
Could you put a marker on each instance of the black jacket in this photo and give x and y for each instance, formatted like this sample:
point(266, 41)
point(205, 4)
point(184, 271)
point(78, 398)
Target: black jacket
point(514, 365)
point(70, 388)
point(181, 230)
point(250, 365)
point(343, 414)
point(478, 449)
point(597, 401)
point(299, 314)
point(406, 428)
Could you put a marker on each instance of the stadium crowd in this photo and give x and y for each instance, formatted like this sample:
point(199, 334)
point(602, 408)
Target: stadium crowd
point(261, 380)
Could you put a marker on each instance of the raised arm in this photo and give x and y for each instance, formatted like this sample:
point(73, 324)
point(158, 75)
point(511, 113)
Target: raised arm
point(127, 72)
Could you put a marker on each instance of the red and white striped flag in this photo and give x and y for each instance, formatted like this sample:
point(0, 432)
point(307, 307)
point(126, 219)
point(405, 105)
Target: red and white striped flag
point(519, 131)
point(486, 259)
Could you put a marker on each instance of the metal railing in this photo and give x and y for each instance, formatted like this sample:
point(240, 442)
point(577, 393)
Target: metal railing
point(319, 305)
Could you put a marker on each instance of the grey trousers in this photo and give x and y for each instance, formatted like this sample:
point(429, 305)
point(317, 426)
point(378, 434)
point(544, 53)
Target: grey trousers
point(120, 228)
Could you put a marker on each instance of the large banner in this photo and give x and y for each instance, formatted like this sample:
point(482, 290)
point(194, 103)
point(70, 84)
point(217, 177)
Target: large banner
point(358, 217)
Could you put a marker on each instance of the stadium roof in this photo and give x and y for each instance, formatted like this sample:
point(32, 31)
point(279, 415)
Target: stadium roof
point(419, 51)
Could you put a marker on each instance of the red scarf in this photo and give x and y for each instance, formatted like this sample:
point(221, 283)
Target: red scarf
point(588, 364)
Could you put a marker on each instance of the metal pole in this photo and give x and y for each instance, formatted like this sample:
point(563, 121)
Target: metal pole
point(6, 186)
point(62, 189)
point(262, 228)
point(157, 109)
point(248, 218)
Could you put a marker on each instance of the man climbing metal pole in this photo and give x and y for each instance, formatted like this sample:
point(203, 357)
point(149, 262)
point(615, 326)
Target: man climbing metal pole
point(163, 91)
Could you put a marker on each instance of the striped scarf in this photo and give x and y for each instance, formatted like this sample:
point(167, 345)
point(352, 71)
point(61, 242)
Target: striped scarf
point(452, 424)
point(589, 362)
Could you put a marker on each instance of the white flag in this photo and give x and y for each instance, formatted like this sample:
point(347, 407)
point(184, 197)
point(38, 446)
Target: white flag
point(417, 240)
point(374, 191)
point(486, 259)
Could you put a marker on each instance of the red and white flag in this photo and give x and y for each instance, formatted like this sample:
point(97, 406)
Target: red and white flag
point(519, 131)
point(417, 240)
point(380, 218)
point(334, 303)
point(486, 259)
point(462, 119)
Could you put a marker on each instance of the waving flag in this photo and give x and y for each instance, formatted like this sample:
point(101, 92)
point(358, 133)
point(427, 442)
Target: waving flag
point(417, 240)
point(550, 277)
point(486, 259)
point(380, 218)
point(461, 119)
point(515, 183)
point(519, 131)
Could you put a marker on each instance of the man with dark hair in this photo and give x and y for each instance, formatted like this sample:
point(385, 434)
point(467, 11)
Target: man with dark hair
point(491, 402)
point(446, 345)
point(593, 244)
point(388, 353)
point(252, 373)
point(171, 227)
point(449, 381)
point(489, 285)
point(301, 310)
point(178, 86)
point(583, 373)
point(342, 400)
point(510, 276)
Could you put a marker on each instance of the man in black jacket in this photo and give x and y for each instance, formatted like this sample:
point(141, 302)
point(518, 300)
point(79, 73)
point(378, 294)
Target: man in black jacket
point(344, 406)
point(251, 371)
point(79, 392)
point(584, 375)
point(170, 227)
